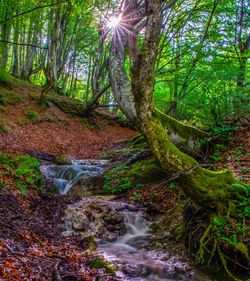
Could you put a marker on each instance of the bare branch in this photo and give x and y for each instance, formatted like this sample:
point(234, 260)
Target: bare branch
point(31, 10)
point(22, 44)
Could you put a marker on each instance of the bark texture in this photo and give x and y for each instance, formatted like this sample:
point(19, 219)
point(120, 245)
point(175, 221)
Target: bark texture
point(181, 134)
point(207, 188)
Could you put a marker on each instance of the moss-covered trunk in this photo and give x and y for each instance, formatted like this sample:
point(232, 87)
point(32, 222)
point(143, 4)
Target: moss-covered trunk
point(226, 205)
point(206, 188)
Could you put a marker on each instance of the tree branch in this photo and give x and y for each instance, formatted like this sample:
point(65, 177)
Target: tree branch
point(31, 10)
point(22, 44)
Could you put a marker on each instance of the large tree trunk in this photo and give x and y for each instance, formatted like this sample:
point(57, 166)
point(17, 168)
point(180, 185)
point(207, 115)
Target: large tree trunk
point(217, 193)
point(183, 135)
point(207, 188)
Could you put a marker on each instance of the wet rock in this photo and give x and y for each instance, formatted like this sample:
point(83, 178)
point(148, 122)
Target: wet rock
point(136, 271)
point(80, 222)
point(62, 159)
point(113, 218)
point(87, 187)
point(97, 218)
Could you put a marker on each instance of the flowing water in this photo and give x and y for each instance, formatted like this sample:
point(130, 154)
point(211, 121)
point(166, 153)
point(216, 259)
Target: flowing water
point(66, 176)
point(131, 253)
point(125, 241)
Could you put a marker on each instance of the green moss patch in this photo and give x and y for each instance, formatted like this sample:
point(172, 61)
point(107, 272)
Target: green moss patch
point(124, 177)
point(100, 263)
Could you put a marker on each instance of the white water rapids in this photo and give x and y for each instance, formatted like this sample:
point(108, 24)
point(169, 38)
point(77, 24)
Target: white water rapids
point(66, 176)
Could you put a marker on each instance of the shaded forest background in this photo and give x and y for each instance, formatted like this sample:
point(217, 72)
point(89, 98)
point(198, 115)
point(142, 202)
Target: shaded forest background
point(202, 70)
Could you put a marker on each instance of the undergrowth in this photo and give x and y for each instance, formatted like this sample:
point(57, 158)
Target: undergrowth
point(9, 98)
point(36, 117)
point(21, 172)
point(224, 241)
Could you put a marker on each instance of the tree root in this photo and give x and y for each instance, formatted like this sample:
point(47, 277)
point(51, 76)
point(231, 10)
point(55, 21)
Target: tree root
point(224, 263)
point(203, 241)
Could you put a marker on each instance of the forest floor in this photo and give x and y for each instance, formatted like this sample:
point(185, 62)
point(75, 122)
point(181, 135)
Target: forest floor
point(31, 247)
point(25, 127)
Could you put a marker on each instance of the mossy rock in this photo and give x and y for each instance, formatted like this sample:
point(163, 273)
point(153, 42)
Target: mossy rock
point(100, 263)
point(61, 159)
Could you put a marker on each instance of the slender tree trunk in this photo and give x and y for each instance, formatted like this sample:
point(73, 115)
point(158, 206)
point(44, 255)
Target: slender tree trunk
point(15, 63)
point(5, 33)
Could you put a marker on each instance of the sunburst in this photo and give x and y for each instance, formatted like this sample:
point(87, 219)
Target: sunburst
point(114, 22)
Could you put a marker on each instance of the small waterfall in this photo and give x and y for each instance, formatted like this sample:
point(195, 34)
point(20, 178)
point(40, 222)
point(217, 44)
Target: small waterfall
point(121, 229)
point(130, 253)
point(66, 176)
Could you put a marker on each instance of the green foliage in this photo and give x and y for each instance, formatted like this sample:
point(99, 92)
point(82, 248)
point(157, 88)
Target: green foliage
point(240, 187)
point(32, 114)
point(228, 234)
point(136, 196)
point(124, 177)
point(3, 126)
point(3, 76)
point(9, 98)
point(107, 155)
point(223, 132)
point(24, 170)
point(36, 117)
point(173, 185)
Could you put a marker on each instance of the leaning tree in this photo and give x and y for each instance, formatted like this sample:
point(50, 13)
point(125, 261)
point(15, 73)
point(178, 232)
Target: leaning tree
point(225, 200)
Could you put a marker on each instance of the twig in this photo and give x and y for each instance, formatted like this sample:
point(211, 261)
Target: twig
point(183, 172)
point(58, 276)
point(32, 10)
point(6, 225)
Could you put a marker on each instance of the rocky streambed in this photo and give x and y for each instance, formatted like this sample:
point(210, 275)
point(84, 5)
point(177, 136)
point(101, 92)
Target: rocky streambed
point(121, 230)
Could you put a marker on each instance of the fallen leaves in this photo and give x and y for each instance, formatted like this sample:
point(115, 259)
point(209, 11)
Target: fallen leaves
point(31, 245)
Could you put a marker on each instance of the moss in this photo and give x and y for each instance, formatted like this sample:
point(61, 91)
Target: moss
point(91, 243)
point(125, 177)
point(68, 105)
point(168, 155)
point(183, 130)
point(100, 263)
point(16, 83)
point(212, 188)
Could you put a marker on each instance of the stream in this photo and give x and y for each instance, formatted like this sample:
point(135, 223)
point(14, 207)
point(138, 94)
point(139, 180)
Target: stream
point(121, 230)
